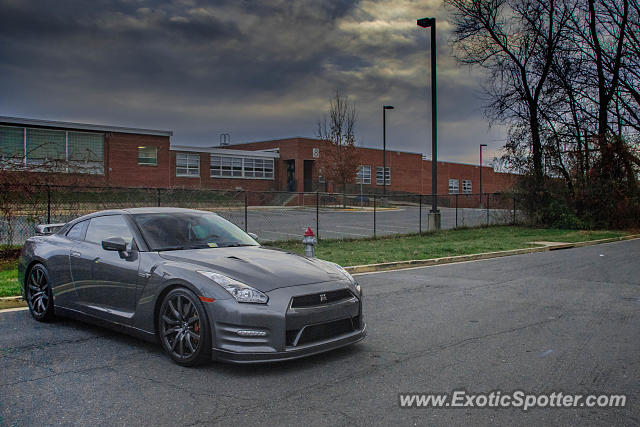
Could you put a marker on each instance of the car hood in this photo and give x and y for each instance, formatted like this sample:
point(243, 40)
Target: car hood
point(262, 268)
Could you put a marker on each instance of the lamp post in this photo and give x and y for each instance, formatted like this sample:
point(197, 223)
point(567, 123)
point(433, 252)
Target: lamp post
point(434, 214)
point(384, 147)
point(481, 146)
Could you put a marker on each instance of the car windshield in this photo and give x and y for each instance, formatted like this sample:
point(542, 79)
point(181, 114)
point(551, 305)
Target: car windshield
point(190, 230)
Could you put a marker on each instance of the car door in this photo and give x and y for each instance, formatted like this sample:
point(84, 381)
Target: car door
point(65, 294)
point(105, 281)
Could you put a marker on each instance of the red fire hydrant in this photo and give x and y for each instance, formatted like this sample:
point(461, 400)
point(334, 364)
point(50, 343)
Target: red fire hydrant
point(309, 241)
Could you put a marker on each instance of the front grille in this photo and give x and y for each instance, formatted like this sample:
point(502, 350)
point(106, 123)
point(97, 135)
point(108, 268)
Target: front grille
point(320, 298)
point(322, 331)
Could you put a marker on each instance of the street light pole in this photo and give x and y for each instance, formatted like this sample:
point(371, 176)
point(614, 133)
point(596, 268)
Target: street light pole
point(431, 23)
point(384, 147)
point(481, 145)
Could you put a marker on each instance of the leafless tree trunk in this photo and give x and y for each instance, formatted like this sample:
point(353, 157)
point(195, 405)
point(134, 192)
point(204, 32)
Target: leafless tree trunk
point(339, 161)
point(515, 41)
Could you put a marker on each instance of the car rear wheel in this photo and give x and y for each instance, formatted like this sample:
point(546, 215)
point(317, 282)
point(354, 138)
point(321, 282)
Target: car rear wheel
point(39, 294)
point(183, 328)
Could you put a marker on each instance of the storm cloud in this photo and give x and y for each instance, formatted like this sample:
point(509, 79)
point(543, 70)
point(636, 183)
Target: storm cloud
point(255, 69)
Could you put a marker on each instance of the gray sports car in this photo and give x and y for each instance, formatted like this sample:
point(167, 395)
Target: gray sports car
point(193, 281)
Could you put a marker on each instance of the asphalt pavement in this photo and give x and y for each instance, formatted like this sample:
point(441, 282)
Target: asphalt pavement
point(555, 321)
point(290, 223)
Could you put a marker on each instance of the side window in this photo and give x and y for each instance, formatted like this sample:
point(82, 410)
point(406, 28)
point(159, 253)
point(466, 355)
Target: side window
point(77, 231)
point(103, 227)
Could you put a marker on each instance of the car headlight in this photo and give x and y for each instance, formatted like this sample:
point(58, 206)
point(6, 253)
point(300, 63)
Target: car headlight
point(238, 290)
point(343, 271)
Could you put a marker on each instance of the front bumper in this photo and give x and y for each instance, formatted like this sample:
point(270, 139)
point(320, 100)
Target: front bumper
point(289, 332)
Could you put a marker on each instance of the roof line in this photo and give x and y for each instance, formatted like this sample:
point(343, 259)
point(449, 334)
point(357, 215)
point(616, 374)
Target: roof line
point(81, 126)
point(271, 154)
point(319, 140)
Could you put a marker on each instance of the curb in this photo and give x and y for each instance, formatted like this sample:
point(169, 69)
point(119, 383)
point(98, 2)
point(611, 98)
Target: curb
point(12, 303)
point(14, 298)
point(397, 265)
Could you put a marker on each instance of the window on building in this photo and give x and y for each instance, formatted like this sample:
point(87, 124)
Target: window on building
point(11, 145)
point(466, 186)
point(364, 174)
point(62, 151)
point(148, 156)
point(46, 146)
point(241, 167)
point(86, 152)
point(188, 164)
point(387, 176)
point(454, 187)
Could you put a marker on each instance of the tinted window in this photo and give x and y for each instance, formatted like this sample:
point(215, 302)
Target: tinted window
point(190, 230)
point(77, 231)
point(103, 227)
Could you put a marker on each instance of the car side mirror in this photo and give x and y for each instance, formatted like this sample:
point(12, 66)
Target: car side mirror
point(114, 244)
point(253, 235)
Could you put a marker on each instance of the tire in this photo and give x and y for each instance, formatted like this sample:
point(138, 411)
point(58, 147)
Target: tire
point(183, 328)
point(37, 290)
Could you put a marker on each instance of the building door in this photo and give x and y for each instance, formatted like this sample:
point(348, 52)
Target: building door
point(308, 175)
point(291, 175)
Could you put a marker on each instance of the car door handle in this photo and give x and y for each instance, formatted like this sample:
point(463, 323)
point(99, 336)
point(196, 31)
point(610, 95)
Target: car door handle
point(76, 254)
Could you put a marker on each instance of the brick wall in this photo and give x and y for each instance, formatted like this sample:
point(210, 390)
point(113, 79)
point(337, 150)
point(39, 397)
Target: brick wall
point(121, 161)
point(206, 181)
point(409, 173)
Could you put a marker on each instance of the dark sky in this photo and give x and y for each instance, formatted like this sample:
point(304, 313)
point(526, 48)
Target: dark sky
point(254, 69)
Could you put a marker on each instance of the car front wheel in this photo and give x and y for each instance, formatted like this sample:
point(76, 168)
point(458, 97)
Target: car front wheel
point(183, 327)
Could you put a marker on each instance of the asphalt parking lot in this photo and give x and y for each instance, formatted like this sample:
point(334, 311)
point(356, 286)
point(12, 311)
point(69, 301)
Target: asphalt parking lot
point(286, 223)
point(290, 223)
point(555, 321)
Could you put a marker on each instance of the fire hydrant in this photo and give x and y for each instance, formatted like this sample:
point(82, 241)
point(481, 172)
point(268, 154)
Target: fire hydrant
point(309, 242)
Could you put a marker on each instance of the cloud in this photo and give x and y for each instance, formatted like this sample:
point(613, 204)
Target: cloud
point(256, 70)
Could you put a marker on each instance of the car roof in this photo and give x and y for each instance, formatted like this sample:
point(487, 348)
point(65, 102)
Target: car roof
point(133, 211)
point(159, 210)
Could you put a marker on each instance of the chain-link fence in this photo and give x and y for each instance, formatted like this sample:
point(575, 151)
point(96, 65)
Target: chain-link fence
point(273, 216)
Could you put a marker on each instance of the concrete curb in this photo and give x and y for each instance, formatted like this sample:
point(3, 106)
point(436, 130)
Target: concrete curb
point(397, 265)
point(12, 303)
point(14, 298)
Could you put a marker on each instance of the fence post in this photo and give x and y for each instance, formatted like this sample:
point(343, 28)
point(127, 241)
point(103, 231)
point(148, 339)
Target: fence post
point(514, 210)
point(48, 204)
point(456, 210)
point(488, 208)
point(246, 204)
point(420, 215)
point(374, 216)
point(158, 196)
point(318, 214)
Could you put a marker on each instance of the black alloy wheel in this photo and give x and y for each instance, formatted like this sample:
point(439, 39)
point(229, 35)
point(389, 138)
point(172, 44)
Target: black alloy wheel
point(38, 293)
point(184, 328)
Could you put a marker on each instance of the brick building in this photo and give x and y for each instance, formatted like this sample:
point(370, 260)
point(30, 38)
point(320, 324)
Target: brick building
point(407, 172)
point(128, 157)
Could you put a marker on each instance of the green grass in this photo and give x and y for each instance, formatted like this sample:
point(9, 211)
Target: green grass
point(9, 279)
point(369, 251)
point(443, 243)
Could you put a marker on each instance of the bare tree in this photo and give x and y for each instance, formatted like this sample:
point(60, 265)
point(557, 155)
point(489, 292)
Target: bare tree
point(24, 185)
point(339, 158)
point(515, 42)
